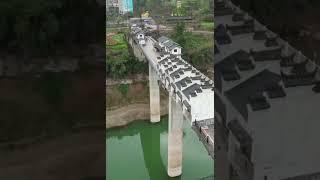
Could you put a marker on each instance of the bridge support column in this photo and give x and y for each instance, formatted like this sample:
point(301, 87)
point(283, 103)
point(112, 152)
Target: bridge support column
point(154, 96)
point(175, 137)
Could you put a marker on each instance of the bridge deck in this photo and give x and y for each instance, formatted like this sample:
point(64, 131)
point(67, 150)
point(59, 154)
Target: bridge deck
point(150, 53)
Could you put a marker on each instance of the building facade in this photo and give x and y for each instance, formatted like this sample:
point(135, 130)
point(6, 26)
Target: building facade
point(266, 126)
point(119, 6)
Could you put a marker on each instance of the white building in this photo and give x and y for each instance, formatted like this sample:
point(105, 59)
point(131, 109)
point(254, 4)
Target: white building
point(169, 46)
point(121, 6)
point(114, 5)
point(193, 89)
point(266, 98)
point(139, 35)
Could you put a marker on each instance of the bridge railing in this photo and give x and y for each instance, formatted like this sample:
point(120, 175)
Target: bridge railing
point(200, 129)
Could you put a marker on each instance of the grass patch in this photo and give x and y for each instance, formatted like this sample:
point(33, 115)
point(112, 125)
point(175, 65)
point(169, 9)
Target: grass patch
point(197, 50)
point(123, 88)
point(119, 38)
point(196, 41)
point(208, 26)
point(119, 43)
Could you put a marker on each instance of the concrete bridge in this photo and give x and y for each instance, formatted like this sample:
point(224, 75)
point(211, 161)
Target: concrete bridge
point(191, 95)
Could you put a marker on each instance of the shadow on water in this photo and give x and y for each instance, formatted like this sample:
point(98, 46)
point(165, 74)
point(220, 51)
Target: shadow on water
point(152, 156)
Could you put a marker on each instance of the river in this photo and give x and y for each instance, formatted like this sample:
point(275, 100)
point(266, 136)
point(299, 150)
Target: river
point(139, 152)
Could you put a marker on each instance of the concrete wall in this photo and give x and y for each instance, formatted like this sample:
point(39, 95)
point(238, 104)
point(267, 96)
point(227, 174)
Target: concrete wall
point(137, 51)
point(154, 96)
point(202, 106)
point(293, 145)
point(176, 51)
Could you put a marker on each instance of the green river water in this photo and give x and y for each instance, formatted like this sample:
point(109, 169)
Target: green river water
point(139, 152)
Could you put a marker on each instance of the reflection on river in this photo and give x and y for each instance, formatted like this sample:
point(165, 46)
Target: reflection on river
point(139, 152)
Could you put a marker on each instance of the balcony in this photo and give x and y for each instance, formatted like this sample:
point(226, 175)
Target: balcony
point(204, 129)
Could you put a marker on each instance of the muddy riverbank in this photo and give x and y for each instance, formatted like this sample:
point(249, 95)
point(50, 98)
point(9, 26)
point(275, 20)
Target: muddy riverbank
point(127, 114)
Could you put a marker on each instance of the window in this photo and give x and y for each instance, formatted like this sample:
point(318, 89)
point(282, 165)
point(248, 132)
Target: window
point(265, 177)
point(175, 50)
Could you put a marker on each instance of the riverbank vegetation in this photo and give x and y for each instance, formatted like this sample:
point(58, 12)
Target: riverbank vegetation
point(126, 94)
point(121, 62)
point(206, 26)
point(197, 49)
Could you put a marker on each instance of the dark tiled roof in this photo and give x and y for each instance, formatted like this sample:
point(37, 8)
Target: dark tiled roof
point(271, 42)
point(247, 27)
point(287, 61)
point(179, 94)
point(220, 9)
point(196, 78)
point(237, 17)
point(221, 35)
point(266, 55)
point(175, 74)
point(162, 39)
point(299, 78)
point(275, 91)
point(258, 101)
point(191, 90)
point(239, 95)
point(259, 35)
point(187, 105)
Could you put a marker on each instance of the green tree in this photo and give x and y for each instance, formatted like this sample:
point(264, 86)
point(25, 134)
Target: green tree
point(180, 34)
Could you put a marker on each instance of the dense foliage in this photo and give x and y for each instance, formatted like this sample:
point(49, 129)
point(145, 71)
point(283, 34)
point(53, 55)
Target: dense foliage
point(121, 61)
point(197, 49)
point(161, 7)
point(39, 26)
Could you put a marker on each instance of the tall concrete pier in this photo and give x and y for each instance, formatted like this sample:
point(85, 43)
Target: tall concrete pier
point(154, 96)
point(175, 135)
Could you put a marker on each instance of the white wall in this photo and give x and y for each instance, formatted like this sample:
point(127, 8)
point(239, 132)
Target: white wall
point(176, 51)
point(140, 36)
point(142, 41)
point(286, 136)
point(202, 105)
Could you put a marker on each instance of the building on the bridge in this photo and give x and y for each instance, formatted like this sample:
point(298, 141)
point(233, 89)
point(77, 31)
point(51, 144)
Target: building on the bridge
point(167, 45)
point(138, 35)
point(194, 90)
point(266, 126)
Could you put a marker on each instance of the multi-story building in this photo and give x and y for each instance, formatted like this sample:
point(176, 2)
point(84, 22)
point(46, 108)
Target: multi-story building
point(119, 6)
point(113, 6)
point(266, 125)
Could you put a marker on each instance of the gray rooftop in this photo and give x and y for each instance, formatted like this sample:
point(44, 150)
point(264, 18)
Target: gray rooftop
point(192, 90)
